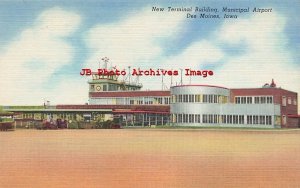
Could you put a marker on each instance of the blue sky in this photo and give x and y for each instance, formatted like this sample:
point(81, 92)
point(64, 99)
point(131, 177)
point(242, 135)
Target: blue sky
point(44, 45)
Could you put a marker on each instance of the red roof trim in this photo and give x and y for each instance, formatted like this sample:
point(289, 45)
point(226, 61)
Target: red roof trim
point(160, 108)
point(293, 115)
point(130, 94)
point(138, 111)
point(264, 88)
point(203, 85)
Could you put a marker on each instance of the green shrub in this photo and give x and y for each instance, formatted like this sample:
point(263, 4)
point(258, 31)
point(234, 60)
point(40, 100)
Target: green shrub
point(73, 125)
point(104, 124)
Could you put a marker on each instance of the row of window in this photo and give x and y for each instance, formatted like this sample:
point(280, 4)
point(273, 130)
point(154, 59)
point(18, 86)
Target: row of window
point(264, 120)
point(131, 100)
point(110, 87)
point(224, 119)
point(263, 100)
point(255, 100)
point(68, 116)
point(199, 98)
point(289, 101)
point(148, 100)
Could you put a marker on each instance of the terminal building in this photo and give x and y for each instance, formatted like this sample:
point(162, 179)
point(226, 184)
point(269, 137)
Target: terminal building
point(182, 105)
point(206, 105)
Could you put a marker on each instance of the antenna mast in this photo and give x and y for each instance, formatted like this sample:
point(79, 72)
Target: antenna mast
point(181, 77)
point(129, 75)
point(171, 79)
point(105, 59)
point(162, 82)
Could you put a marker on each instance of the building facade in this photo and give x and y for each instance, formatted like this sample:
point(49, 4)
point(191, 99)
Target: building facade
point(182, 105)
point(205, 105)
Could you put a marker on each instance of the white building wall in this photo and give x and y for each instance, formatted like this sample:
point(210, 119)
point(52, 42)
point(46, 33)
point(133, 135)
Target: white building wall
point(220, 109)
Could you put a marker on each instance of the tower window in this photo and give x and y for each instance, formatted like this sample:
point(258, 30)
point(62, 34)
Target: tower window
point(283, 101)
point(92, 87)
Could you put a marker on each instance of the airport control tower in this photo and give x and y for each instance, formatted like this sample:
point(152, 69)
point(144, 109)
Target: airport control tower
point(100, 85)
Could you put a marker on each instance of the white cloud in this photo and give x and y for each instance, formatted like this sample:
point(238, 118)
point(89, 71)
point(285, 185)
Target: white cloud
point(197, 54)
point(267, 55)
point(260, 32)
point(69, 91)
point(196, 57)
point(40, 50)
point(135, 40)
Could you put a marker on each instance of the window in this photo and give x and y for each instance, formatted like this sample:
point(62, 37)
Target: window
point(229, 119)
point(295, 101)
point(256, 100)
point(185, 98)
point(205, 98)
point(262, 120)
point(104, 87)
point(215, 118)
point(249, 100)
point(210, 118)
point(197, 98)
point(283, 101)
point(220, 99)
point(249, 120)
point(191, 98)
point(284, 120)
point(191, 118)
point(262, 100)
point(241, 119)
point(184, 119)
point(204, 117)
point(210, 98)
point(289, 100)
point(223, 118)
point(215, 98)
point(166, 99)
point(197, 118)
point(92, 87)
point(225, 99)
point(243, 100)
point(179, 118)
point(180, 98)
point(173, 99)
point(269, 120)
point(255, 119)
point(269, 100)
point(237, 100)
point(158, 100)
point(235, 119)
point(174, 118)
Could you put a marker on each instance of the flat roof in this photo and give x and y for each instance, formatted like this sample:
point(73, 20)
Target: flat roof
point(203, 85)
point(138, 93)
point(138, 111)
point(264, 88)
point(59, 110)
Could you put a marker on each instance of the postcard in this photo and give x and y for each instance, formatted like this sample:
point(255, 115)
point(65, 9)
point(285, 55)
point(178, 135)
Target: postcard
point(126, 93)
